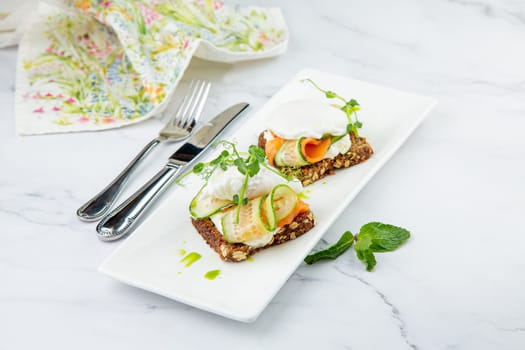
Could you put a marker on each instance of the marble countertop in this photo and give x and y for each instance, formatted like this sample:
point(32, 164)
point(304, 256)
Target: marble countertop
point(458, 184)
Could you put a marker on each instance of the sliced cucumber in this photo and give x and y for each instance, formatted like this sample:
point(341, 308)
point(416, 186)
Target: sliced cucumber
point(203, 206)
point(337, 138)
point(250, 226)
point(290, 154)
point(267, 213)
point(283, 201)
point(259, 217)
point(278, 205)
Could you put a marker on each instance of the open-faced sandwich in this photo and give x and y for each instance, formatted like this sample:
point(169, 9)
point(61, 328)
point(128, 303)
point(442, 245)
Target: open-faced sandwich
point(245, 205)
point(309, 139)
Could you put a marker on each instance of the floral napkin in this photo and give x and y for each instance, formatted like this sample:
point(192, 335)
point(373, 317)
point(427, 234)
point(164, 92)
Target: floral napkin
point(15, 15)
point(93, 64)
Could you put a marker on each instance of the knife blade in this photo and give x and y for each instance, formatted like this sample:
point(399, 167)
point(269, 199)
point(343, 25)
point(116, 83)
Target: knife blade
point(124, 218)
point(204, 137)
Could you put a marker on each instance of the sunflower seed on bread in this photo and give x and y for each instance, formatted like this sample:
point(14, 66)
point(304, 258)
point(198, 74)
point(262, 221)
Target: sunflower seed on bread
point(235, 252)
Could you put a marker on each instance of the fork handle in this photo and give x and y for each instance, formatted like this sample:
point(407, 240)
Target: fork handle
point(97, 206)
point(123, 219)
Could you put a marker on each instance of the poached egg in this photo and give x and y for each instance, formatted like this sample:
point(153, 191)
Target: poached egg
point(224, 184)
point(306, 118)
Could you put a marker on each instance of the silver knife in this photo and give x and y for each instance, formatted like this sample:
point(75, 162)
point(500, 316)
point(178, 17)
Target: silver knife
point(124, 218)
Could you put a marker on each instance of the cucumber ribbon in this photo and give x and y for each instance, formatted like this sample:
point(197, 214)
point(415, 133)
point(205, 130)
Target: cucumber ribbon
point(258, 218)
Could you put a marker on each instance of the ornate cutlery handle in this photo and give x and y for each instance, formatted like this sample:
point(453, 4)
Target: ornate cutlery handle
point(97, 206)
point(123, 219)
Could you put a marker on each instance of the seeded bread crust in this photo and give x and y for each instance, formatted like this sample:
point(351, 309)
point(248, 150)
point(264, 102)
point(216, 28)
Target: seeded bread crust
point(308, 174)
point(236, 252)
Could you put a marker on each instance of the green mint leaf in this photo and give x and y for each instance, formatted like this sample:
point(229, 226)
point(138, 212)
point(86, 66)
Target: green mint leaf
point(235, 198)
point(332, 252)
point(376, 237)
point(363, 243)
point(245, 201)
point(363, 251)
point(367, 257)
point(358, 124)
point(353, 103)
point(384, 237)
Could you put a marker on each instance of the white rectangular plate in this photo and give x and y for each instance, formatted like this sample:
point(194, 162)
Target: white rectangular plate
point(150, 257)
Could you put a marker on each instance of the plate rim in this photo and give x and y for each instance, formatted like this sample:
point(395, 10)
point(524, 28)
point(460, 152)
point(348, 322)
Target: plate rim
point(390, 150)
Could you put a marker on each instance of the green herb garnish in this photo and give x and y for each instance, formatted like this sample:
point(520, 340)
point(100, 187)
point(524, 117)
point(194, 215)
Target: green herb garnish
point(350, 107)
point(247, 163)
point(332, 252)
point(374, 237)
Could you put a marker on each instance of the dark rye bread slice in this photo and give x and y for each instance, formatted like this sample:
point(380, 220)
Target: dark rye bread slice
point(358, 153)
point(236, 252)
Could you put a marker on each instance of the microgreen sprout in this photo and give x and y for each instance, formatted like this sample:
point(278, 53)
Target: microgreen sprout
point(247, 163)
point(349, 107)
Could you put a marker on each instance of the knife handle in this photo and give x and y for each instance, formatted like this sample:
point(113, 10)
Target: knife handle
point(123, 219)
point(97, 206)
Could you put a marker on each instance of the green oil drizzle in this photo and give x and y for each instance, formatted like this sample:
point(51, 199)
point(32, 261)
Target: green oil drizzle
point(211, 275)
point(324, 182)
point(182, 252)
point(303, 195)
point(250, 258)
point(189, 259)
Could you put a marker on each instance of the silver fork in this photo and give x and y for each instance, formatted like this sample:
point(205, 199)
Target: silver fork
point(177, 128)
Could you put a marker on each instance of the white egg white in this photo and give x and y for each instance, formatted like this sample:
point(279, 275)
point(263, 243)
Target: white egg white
point(306, 118)
point(224, 184)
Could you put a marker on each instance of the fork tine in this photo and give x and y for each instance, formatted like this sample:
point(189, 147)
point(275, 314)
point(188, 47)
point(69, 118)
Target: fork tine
point(194, 98)
point(199, 106)
point(185, 104)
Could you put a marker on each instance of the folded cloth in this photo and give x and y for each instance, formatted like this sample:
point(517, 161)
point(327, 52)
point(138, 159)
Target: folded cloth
point(14, 17)
point(93, 64)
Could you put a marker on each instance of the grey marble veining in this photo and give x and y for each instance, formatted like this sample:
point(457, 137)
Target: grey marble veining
point(457, 184)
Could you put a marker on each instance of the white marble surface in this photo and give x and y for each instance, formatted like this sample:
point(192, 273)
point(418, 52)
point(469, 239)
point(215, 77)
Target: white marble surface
point(458, 184)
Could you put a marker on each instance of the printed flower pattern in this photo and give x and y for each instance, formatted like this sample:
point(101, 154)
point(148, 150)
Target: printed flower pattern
point(113, 62)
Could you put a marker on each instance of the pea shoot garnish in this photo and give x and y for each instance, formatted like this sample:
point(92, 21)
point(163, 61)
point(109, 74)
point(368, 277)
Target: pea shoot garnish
point(247, 163)
point(349, 107)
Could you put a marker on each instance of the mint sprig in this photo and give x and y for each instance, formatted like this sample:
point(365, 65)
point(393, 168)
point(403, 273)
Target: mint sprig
point(332, 252)
point(350, 107)
point(374, 237)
